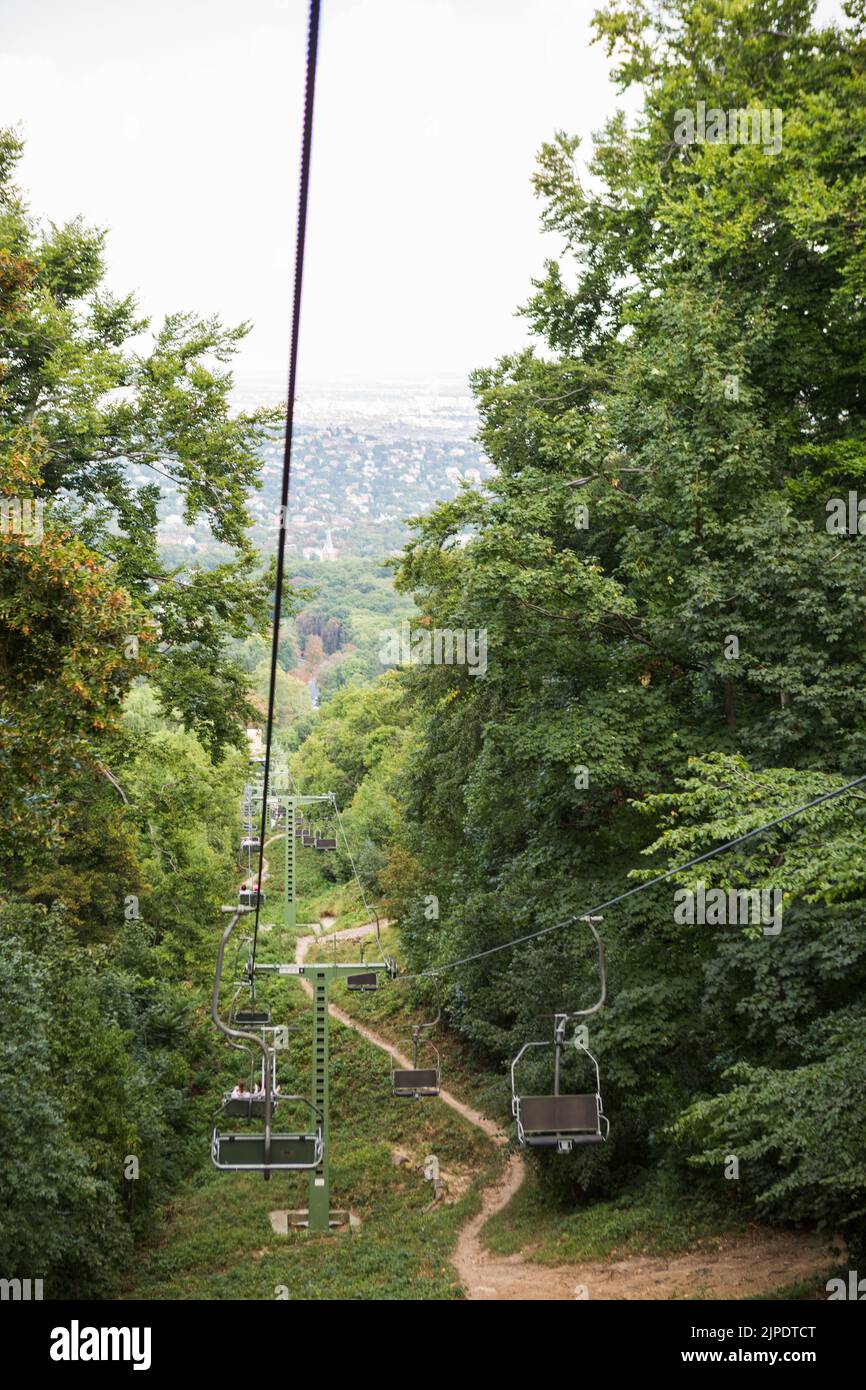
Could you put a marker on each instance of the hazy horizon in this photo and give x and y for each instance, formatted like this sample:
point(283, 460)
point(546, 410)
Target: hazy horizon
point(176, 126)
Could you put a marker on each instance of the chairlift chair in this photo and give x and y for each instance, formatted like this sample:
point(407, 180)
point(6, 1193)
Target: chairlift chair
point(264, 1151)
point(559, 1120)
point(321, 842)
point(417, 1082)
point(249, 897)
point(368, 979)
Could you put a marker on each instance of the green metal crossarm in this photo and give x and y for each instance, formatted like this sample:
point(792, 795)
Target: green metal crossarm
point(334, 971)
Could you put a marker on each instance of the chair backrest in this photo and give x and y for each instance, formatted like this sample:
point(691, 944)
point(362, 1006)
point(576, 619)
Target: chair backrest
point(244, 1107)
point(558, 1114)
point(412, 1079)
point(248, 1150)
point(369, 980)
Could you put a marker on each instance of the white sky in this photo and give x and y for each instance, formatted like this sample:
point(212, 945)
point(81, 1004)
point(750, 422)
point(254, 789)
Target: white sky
point(176, 124)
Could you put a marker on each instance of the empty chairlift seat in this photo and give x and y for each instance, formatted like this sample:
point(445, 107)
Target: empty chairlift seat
point(288, 1152)
point(322, 842)
point(422, 1078)
point(414, 1083)
point(560, 1121)
point(367, 979)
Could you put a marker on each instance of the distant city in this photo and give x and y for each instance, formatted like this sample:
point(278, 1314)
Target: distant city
point(366, 457)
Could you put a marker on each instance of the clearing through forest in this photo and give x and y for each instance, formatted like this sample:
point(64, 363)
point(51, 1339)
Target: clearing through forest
point(734, 1268)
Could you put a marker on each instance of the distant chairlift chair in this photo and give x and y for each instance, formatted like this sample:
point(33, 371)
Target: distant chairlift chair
point(364, 980)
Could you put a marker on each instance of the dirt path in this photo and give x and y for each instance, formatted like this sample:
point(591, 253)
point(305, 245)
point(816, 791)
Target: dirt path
point(723, 1268)
point(303, 945)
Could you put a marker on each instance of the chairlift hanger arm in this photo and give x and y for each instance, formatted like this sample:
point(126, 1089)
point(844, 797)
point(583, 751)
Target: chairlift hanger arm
point(602, 973)
point(418, 1028)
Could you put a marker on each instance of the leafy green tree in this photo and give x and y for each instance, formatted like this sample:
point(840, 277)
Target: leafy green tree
point(656, 580)
point(121, 825)
point(113, 434)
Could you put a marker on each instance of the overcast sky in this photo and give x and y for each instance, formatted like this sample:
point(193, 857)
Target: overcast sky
point(176, 125)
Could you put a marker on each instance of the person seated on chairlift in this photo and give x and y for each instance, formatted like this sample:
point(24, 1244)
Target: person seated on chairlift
point(239, 1092)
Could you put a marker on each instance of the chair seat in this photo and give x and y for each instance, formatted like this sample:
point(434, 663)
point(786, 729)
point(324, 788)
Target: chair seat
point(553, 1141)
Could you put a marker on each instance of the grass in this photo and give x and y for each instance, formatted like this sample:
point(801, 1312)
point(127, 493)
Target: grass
point(317, 896)
point(805, 1290)
point(392, 1010)
point(649, 1220)
point(646, 1221)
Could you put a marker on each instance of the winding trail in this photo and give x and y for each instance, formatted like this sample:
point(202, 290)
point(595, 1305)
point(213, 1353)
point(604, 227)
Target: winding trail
point(724, 1267)
point(302, 946)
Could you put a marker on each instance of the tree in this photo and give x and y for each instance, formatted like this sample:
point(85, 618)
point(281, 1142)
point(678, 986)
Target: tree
point(653, 570)
point(91, 418)
point(120, 825)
